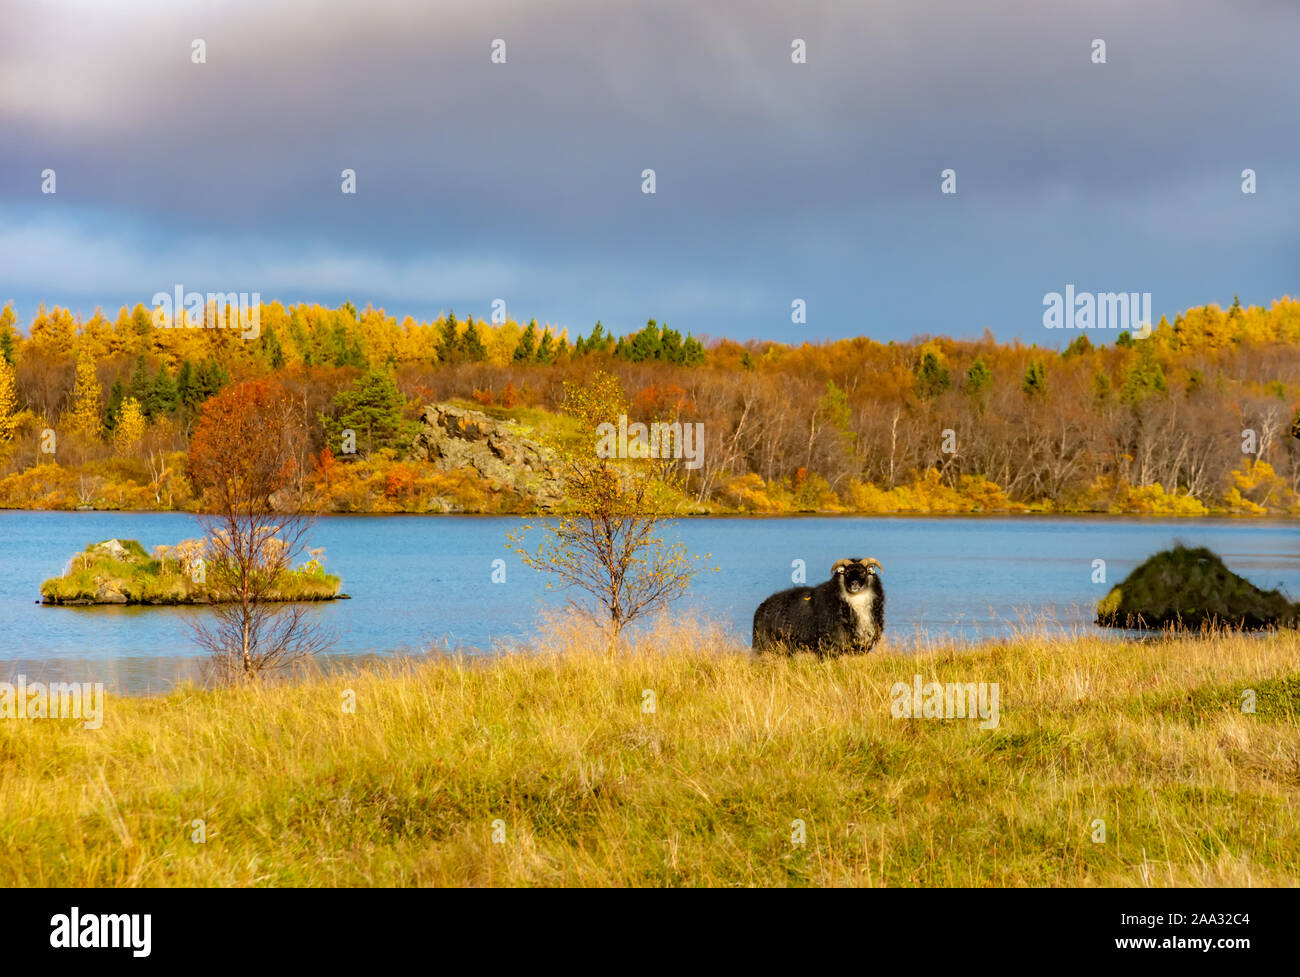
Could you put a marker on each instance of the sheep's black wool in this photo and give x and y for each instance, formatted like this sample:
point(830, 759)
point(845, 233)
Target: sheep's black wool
point(844, 615)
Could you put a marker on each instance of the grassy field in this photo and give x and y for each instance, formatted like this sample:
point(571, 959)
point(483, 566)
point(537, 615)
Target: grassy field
point(587, 788)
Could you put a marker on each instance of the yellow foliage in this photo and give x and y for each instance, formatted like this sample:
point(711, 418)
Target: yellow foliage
point(53, 331)
point(1256, 474)
point(130, 427)
point(8, 400)
point(1256, 487)
point(929, 493)
point(1153, 500)
point(986, 495)
point(747, 493)
point(84, 417)
point(1238, 503)
point(501, 342)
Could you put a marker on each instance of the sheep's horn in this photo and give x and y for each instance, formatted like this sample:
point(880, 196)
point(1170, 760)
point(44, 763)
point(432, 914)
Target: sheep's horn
point(872, 563)
point(840, 566)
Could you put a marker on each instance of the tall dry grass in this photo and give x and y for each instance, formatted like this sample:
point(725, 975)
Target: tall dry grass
point(550, 748)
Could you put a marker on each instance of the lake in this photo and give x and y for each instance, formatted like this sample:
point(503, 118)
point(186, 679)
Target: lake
point(425, 582)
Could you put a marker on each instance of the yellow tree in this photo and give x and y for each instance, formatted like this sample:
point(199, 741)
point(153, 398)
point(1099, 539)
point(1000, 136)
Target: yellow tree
point(608, 542)
point(54, 331)
point(130, 427)
point(122, 338)
point(86, 415)
point(8, 400)
point(96, 334)
point(501, 342)
point(8, 334)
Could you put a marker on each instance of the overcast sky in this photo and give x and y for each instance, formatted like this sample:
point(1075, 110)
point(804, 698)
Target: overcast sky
point(775, 181)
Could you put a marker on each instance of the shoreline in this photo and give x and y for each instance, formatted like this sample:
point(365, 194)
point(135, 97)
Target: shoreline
point(1280, 517)
point(331, 665)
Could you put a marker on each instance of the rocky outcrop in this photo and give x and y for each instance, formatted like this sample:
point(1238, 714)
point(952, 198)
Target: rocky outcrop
point(453, 438)
point(114, 549)
point(1192, 588)
point(109, 591)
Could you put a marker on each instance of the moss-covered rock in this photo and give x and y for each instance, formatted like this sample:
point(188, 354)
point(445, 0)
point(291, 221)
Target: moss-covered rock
point(453, 438)
point(121, 571)
point(1192, 588)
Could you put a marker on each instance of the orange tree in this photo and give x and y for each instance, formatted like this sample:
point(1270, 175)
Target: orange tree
point(242, 458)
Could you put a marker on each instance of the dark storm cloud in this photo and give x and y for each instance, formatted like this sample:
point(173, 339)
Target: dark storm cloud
point(775, 180)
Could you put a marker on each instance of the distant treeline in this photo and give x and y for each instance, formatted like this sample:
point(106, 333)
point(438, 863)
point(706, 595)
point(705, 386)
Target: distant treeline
point(1194, 418)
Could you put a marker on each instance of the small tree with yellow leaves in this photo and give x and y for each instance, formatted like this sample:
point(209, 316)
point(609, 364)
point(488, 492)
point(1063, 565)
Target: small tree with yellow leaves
point(86, 414)
point(8, 400)
point(130, 427)
point(608, 542)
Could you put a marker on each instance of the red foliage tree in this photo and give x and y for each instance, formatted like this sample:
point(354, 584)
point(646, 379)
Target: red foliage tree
point(243, 448)
point(327, 466)
point(243, 460)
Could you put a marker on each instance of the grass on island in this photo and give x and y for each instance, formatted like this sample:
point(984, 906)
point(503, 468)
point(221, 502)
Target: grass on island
point(127, 573)
point(550, 748)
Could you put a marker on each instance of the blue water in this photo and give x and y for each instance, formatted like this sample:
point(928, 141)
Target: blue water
point(422, 582)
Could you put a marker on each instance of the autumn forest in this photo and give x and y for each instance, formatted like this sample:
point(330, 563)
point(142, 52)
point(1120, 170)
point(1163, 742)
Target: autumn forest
point(1197, 418)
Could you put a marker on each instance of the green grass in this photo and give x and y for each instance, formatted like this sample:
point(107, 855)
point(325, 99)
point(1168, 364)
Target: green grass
point(141, 579)
point(591, 790)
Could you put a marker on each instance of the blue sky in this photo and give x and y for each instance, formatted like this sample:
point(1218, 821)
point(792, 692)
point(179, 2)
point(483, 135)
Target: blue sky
point(775, 181)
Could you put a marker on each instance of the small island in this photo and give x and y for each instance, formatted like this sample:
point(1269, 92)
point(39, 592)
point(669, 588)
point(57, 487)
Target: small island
point(121, 571)
point(1185, 588)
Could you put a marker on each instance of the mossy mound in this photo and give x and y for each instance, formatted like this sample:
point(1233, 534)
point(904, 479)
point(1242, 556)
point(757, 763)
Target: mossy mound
point(121, 571)
point(1192, 589)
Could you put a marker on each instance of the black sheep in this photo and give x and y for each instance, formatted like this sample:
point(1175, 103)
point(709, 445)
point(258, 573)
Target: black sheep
point(844, 615)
